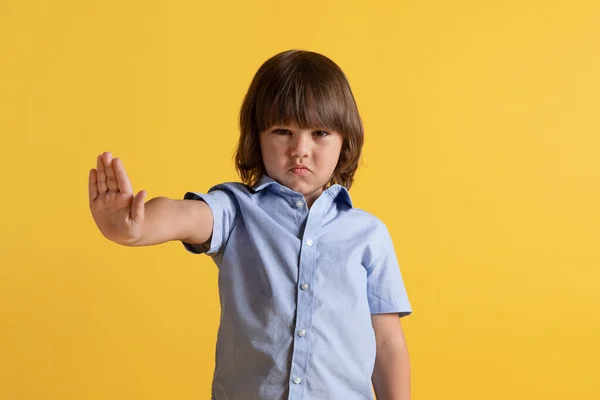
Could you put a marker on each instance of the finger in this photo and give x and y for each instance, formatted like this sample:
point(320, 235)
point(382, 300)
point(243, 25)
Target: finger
point(101, 176)
point(111, 180)
point(121, 176)
point(137, 207)
point(93, 185)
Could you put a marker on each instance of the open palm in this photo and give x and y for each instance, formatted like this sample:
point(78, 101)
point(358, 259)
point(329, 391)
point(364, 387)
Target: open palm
point(117, 212)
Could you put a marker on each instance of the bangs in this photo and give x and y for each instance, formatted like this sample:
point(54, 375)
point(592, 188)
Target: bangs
point(308, 95)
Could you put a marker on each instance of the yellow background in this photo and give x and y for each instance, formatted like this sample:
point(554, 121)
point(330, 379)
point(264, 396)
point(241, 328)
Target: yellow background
point(482, 156)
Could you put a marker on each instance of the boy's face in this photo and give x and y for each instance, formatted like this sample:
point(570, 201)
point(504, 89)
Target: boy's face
point(301, 159)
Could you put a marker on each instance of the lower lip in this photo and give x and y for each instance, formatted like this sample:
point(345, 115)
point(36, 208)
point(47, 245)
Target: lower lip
point(300, 171)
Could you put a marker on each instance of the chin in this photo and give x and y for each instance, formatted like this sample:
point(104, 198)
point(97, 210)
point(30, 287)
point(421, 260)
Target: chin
point(300, 187)
point(300, 184)
point(307, 189)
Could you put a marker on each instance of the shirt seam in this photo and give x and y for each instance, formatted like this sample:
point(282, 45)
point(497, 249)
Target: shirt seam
point(383, 300)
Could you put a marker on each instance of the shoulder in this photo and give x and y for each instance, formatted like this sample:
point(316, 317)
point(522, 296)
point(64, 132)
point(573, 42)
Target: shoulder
point(369, 220)
point(351, 213)
point(233, 190)
point(232, 187)
point(222, 197)
point(375, 237)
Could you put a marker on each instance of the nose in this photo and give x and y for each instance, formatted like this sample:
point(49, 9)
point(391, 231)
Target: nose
point(300, 145)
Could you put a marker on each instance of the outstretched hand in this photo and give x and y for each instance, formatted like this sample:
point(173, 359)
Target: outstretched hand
point(117, 212)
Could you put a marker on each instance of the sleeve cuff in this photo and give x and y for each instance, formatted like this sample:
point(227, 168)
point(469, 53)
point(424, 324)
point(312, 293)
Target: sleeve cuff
point(213, 245)
point(397, 304)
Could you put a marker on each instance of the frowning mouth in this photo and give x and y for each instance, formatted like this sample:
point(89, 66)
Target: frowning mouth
point(300, 170)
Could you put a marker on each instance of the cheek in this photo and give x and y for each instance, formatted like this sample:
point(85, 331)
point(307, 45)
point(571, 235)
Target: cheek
point(334, 154)
point(270, 154)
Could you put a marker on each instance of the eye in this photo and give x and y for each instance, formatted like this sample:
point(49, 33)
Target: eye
point(321, 133)
point(281, 131)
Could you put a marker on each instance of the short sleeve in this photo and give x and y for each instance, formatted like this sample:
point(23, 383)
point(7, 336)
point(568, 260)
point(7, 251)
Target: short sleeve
point(224, 210)
point(385, 286)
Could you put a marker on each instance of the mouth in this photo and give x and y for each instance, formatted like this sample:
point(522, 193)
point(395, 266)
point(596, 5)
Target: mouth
point(300, 170)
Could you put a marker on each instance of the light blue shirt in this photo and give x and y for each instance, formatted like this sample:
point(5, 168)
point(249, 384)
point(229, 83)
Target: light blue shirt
point(297, 289)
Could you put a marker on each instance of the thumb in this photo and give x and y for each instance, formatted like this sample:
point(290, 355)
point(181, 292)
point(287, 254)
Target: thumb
point(137, 207)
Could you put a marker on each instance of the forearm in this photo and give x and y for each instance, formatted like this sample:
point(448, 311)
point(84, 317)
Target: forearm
point(167, 219)
point(391, 375)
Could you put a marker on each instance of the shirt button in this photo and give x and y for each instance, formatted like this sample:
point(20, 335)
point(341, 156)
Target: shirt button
point(309, 242)
point(302, 332)
point(299, 203)
point(282, 189)
point(297, 380)
point(304, 286)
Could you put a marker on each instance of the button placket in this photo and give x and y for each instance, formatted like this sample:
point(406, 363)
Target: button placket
point(305, 299)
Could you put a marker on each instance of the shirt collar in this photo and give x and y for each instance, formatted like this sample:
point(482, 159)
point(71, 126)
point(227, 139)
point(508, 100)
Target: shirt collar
point(337, 192)
point(263, 182)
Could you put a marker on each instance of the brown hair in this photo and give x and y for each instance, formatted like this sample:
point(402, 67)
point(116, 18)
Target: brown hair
point(308, 89)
